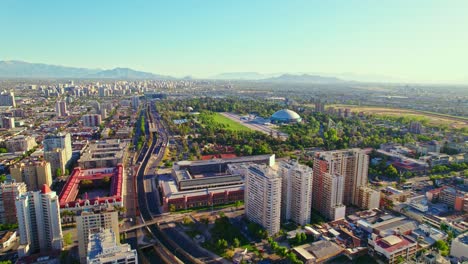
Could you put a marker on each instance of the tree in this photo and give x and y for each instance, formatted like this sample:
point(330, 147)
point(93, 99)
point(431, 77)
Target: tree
point(67, 239)
point(172, 208)
point(400, 259)
point(221, 244)
point(236, 242)
point(59, 172)
point(238, 204)
point(391, 172)
point(443, 247)
point(3, 178)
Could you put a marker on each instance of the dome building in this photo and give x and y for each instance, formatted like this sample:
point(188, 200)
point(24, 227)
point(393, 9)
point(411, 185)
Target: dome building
point(285, 116)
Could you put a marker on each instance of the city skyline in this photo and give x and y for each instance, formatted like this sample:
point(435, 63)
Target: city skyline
point(421, 41)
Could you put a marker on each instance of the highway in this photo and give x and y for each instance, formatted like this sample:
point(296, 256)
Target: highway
point(170, 243)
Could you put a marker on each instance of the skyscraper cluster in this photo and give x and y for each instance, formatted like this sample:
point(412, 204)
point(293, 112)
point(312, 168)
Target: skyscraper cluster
point(288, 191)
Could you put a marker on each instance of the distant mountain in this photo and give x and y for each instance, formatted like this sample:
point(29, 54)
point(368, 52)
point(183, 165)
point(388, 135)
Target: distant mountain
point(21, 69)
point(304, 78)
point(126, 73)
point(243, 76)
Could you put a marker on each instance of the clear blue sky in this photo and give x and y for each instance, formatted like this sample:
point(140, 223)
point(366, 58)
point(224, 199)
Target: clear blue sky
point(417, 40)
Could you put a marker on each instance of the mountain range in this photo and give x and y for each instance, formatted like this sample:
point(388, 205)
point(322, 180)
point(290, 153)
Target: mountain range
point(21, 69)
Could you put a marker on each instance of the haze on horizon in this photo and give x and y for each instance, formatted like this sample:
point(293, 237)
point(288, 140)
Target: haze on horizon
point(416, 41)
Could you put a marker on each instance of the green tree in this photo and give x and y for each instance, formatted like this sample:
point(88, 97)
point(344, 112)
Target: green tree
point(221, 244)
point(443, 247)
point(59, 172)
point(172, 208)
point(67, 239)
point(236, 242)
point(391, 171)
point(400, 259)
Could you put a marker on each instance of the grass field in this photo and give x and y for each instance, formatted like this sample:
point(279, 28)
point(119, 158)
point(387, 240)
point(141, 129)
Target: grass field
point(434, 118)
point(228, 123)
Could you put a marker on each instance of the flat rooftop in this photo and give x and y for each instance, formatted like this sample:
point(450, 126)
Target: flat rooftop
point(102, 150)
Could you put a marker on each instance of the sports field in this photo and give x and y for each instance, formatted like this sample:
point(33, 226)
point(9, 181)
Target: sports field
point(228, 123)
point(433, 118)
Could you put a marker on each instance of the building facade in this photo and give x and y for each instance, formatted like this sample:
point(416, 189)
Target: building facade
point(20, 143)
point(368, 198)
point(8, 192)
point(91, 120)
point(351, 164)
point(61, 108)
point(89, 223)
point(296, 191)
point(34, 174)
point(104, 248)
point(58, 141)
point(38, 222)
point(7, 98)
point(263, 197)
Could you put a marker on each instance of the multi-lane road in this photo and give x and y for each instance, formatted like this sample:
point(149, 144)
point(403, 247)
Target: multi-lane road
point(171, 246)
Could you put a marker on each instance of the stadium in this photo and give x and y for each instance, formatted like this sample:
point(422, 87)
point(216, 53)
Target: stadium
point(285, 116)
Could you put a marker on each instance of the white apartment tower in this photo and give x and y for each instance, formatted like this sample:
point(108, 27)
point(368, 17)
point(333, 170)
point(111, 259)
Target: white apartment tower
point(89, 223)
point(61, 108)
point(103, 248)
point(332, 194)
point(296, 191)
point(7, 98)
point(263, 197)
point(38, 221)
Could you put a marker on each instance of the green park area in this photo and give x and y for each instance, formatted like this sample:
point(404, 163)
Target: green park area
point(217, 120)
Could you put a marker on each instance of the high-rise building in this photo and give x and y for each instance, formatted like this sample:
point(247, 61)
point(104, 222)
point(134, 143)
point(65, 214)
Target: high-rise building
point(352, 164)
point(368, 198)
point(89, 223)
point(296, 191)
point(34, 174)
point(8, 122)
point(9, 190)
point(7, 98)
point(332, 206)
point(263, 197)
point(319, 107)
point(61, 141)
point(103, 248)
point(61, 108)
point(91, 120)
point(57, 159)
point(38, 221)
point(135, 102)
point(20, 143)
point(415, 127)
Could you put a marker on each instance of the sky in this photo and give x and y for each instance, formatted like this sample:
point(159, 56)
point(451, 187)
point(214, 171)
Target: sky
point(417, 40)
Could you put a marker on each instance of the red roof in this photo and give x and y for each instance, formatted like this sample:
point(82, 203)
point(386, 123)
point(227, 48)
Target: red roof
point(45, 189)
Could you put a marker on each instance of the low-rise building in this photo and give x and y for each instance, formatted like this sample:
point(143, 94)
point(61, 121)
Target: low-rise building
point(318, 252)
point(20, 143)
point(101, 154)
point(459, 247)
point(368, 198)
point(392, 249)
